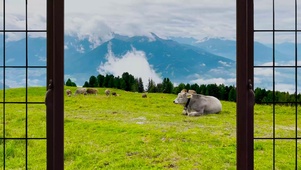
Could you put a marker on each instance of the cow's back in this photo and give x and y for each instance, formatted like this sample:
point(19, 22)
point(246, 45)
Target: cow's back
point(213, 105)
point(210, 104)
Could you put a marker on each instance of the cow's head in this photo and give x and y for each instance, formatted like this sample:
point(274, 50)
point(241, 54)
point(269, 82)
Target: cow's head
point(182, 98)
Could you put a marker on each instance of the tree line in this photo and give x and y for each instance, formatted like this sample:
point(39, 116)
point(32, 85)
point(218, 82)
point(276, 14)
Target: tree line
point(128, 82)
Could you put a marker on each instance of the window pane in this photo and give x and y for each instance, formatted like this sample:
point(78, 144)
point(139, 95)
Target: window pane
point(15, 118)
point(263, 15)
point(15, 15)
point(37, 15)
point(15, 52)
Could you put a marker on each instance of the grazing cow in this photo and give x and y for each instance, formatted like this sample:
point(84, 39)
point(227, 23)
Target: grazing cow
point(107, 92)
point(114, 93)
point(197, 104)
point(81, 91)
point(92, 91)
point(68, 92)
point(144, 95)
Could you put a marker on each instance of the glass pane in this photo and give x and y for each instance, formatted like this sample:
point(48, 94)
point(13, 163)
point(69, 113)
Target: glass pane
point(299, 101)
point(15, 52)
point(284, 14)
point(263, 78)
point(15, 15)
point(37, 15)
point(37, 154)
point(37, 49)
point(2, 85)
point(1, 124)
point(1, 152)
point(263, 48)
point(285, 154)
point(285, 122)
point(36, 121)
point(1, 14)
point(299, 48)
point(263, 121)
point(15, 118)
point(263, 15)
point(15, 157)
point(1, 48)
point(37, 84)
point(263, 154)
point(14, 79)
point(285, 49)
point(285, 81)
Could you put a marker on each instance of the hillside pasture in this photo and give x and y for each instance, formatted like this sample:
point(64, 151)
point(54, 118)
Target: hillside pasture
point(131, 132)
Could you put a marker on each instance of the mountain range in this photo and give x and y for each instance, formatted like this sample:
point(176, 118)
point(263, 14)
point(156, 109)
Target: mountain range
point(180, 59)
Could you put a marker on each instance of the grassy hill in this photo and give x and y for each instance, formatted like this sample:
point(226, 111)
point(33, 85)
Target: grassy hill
point(131, 132)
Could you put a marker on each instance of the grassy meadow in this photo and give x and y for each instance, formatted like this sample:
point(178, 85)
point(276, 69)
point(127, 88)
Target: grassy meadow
point(131, 132)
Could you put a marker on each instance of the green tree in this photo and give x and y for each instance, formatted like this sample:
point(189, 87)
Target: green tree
point(129, 81)
point(100, 80)
point(86, 84)
point(70, 83)
point(179, 88)
point(159, 88)
point(134, 86)
point(203, 89)
point(195, 87)
point(106, 81)
point(111, 81)
point(222, 92)
point(187, 86)
point(151, 87)
point(167, 86)
point(93, 82)
point(117, 82)
point(232, 94)
point(212, 90)
point(140, 85)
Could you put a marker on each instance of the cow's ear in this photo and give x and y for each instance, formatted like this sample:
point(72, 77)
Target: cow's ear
point(188, 95)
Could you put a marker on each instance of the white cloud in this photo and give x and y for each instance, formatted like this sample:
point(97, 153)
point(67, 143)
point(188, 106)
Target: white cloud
point(133, 62)
point(165, 18)
point(93, 28)
point(224, 63)
point(94, 19)
point(218, 81)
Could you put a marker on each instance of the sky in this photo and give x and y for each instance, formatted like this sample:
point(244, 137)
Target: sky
point(97, 20)
point(185, 18)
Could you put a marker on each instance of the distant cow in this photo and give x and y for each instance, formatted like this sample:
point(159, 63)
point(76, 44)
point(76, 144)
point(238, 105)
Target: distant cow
point(92, 91)
point(81, 91)
point(144, 95)
point(114, 93)
point(107, 92)
point(68, 92)
point(197, 104)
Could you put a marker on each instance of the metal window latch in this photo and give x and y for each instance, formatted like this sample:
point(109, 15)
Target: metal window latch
point(251, 93)
point(50, 87)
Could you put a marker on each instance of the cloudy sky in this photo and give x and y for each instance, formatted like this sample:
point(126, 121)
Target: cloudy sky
point(186, 18)
point(193, 18)
point(96, 20)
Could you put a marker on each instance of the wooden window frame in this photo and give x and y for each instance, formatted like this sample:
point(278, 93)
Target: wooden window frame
point(55, 79)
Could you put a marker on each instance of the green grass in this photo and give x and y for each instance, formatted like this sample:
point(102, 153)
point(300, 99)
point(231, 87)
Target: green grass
point(131, 132)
